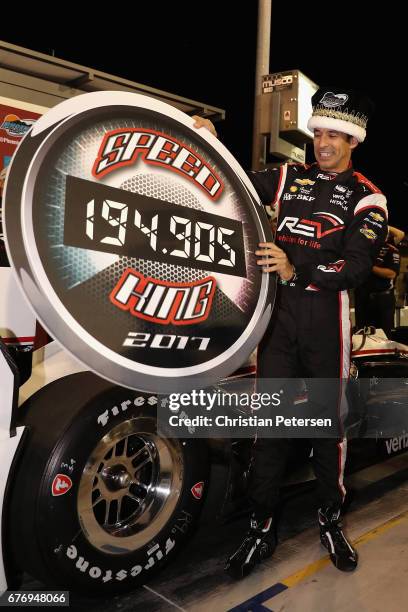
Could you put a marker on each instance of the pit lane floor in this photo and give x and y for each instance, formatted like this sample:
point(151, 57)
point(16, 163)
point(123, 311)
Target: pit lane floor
point(300, 575)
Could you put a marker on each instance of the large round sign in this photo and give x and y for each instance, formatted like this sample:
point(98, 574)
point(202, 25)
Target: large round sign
point(133, 237)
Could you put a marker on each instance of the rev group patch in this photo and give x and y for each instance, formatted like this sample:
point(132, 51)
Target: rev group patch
point(133, 236)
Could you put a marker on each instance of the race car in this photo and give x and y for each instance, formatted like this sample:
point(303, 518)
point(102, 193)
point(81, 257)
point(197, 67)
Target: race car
point(98, 502)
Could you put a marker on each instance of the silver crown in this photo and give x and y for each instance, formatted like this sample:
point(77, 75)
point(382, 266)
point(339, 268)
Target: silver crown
point(344, 115)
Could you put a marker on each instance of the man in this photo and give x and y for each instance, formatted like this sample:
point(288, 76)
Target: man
point(331, 222)
point(375, 299)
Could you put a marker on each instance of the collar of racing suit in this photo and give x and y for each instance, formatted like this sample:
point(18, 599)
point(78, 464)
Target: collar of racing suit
point(340, 177)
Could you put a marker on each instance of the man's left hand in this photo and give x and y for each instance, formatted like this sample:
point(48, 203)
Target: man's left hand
point(274, 260)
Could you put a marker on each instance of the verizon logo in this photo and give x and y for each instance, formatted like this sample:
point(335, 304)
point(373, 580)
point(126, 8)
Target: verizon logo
point(396, 444)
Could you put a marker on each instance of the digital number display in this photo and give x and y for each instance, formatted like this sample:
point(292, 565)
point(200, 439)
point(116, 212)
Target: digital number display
point(103, 218)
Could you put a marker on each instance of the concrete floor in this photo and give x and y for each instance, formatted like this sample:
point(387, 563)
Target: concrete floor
point(299, 577)
point(380, 533)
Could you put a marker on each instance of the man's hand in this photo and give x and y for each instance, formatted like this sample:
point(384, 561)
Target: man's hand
point(275, 260)
point(384, 272)
point(200, 122)
point(397, 233)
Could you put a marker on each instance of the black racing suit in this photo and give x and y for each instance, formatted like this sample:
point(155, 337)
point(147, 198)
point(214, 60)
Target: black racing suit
point(375, 299)
point(330, 226)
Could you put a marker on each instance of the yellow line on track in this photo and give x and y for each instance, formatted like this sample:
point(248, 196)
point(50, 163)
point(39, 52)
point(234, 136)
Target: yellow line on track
point(316, 566)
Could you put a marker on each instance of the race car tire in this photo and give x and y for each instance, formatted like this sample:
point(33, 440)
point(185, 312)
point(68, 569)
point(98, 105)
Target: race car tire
point(99, 501)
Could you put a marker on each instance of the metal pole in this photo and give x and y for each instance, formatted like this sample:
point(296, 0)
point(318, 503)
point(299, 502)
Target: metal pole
point(262, 68)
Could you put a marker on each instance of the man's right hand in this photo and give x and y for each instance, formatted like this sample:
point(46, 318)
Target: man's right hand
point(275, 260)
point(200, 122)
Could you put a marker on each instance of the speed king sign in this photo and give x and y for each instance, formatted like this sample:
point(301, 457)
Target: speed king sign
point(133, 237)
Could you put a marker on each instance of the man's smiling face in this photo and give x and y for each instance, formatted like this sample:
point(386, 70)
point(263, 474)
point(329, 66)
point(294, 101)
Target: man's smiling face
point(333, 149)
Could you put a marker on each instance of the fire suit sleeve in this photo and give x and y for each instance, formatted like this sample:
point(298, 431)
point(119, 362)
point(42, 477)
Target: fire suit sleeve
point(268, 183)
point(363, 237)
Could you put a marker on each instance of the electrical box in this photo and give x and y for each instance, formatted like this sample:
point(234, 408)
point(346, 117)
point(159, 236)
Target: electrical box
point(285, 110)
point(296, 91)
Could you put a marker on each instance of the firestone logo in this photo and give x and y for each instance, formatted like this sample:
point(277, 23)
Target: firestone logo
point(197, 490)
point(123, 147)
point(61, 485)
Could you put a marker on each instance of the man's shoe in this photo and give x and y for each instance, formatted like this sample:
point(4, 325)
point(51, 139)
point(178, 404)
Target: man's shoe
point(258, 544)
point(342, 554)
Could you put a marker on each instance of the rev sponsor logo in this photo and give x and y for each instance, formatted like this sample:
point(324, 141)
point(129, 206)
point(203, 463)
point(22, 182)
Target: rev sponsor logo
point(313, 229)
point(326, 177)
point(337, 266)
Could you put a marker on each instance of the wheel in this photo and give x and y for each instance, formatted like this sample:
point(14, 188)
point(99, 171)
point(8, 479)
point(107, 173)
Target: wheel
point(99, 501)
